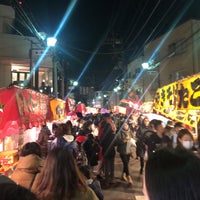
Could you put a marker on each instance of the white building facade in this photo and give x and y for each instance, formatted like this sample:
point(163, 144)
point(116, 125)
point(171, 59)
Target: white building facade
point(19, 54)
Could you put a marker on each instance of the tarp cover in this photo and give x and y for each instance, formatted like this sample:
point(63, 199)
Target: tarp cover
point(21, 108)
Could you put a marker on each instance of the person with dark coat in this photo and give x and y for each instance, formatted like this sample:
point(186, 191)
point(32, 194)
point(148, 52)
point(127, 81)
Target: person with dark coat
point(108, 151)
point(91, 148)
point(140, 145)
point(123, 142)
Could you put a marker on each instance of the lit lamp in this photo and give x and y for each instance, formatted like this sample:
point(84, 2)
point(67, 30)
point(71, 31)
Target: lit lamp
point(51, 42)
point(145, 65)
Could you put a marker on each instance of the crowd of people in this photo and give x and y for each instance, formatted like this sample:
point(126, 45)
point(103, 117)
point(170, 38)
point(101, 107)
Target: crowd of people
point(76, 159)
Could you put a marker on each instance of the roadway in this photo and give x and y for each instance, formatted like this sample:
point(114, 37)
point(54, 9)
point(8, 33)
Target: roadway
point(122, 191)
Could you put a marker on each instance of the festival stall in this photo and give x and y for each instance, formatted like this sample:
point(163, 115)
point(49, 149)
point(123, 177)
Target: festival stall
point(58, 110)
point(180, 101)
point(22, 112)
point(127, 107)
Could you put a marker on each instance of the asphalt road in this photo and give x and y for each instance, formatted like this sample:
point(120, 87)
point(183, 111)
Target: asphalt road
point(122, 191)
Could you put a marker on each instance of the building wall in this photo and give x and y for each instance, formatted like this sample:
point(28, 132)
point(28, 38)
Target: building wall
point(16, 49)
point(7, 15)
point(5, 75)
point(177, 54)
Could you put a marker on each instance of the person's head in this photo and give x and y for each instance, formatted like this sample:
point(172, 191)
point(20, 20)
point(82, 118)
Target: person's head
point(60, 176)
point(152, 124)
point(169, 131)
point(185, 138)
point(172, 174)
point(145, 122)
point(178, 126)
point(12, 191)
point(31, 148)
point(170, 123)
point(159, 127)
point(62, 129)
point(69, 124)
point(125, 126)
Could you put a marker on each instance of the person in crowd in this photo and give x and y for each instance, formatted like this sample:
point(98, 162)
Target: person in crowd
point(92, 182)
point(172, 174)
point(157, 139)
point(71, 128)
point(168, 132)
point(103, 119)
point(151, 130)
point(185, 140)
point(64, 139)
point(61, 178)
point(86, 128)
point(177, 127)
point(108, 151)
point(140, 145)
point(83, 133)
point(29, 165)
point(122, 141)
point(43, 139)
point(10, 191)
point(91, 148)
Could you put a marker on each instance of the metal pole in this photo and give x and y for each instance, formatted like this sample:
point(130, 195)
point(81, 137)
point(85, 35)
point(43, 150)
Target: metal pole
point(55, 76)
point(31, 66)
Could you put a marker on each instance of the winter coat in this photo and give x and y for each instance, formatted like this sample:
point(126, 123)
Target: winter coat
point(66, 141)
point(91, 148)
point(26, 170)
point(107, 141)
point(122, 142)
point(140, 136)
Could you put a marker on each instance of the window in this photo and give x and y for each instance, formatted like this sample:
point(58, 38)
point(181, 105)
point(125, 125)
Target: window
point(178, 47)
point(19, 77)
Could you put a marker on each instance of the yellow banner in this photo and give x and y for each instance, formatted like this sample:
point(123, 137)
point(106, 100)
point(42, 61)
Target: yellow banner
point(180, 100)
point(58, 109)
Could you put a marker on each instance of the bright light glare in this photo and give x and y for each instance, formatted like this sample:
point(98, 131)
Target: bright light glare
point(51, 41)
point(75, 83)
point(145, 65)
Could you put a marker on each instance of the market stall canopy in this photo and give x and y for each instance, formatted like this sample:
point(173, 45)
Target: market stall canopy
point(156, 116)
point(180, 100)
point(21, 109)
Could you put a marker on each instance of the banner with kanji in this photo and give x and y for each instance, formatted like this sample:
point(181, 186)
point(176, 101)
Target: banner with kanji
point(21, 109)
point(180, 100)
point(33, 107)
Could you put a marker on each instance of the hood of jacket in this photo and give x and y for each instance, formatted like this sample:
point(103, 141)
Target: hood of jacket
point(68, 138)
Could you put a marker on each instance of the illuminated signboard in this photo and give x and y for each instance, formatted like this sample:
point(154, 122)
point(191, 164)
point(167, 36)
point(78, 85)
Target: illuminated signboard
point(180, 100)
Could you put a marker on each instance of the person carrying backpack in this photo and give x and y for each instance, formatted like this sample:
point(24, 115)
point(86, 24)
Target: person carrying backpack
point(65, 139)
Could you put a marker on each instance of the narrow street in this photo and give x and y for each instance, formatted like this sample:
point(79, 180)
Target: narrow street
point(122, 191)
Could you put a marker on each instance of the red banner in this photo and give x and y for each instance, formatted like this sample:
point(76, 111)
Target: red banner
point(21, 108)
point(9, 114)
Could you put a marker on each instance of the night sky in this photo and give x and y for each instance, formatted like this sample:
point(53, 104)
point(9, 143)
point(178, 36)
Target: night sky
point(117, 30)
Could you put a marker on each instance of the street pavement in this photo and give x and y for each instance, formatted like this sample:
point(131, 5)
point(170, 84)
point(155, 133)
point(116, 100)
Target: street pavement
point(121, 190)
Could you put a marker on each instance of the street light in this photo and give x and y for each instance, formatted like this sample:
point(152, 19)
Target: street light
point(51, 42)
point(145, 65)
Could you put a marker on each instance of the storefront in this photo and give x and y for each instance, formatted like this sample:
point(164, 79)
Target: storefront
point(22, 112)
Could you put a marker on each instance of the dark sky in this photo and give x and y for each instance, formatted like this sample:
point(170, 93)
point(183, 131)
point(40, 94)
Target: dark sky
point(116, 30)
